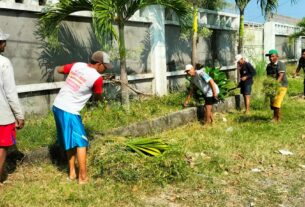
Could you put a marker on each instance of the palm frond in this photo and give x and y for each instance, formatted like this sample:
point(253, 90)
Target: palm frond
point(268, 6)
point(241, 4)
point(105, 14)
point(53, 15)
point(179, 6)
point(148, 146)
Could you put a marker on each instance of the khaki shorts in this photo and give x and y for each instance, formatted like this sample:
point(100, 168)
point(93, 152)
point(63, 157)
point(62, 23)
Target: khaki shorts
point(278, 99)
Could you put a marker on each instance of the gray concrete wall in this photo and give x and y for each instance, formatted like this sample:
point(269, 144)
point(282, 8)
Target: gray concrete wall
point(22, 46)
point(31, 59)
point(218, 49)
point(285, 48)
point(254, 42)
point(303, 43)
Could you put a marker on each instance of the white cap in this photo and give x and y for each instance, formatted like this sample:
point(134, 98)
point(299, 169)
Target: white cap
point(188, 67)
point(238, 57)
point(3, 36)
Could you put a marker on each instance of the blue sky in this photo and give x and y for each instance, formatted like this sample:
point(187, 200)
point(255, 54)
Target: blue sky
point(253, 12)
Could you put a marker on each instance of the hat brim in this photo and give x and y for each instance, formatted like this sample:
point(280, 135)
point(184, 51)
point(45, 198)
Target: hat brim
point(267, 55)
point(108, 66)
point(4, 37)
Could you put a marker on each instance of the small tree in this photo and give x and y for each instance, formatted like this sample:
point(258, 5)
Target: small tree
point(190, 22)
point(301, 32)
point(105, 13)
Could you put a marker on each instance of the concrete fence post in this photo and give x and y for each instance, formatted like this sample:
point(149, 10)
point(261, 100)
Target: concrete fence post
point(298, 47)
point(269, 36)
point(158, 49)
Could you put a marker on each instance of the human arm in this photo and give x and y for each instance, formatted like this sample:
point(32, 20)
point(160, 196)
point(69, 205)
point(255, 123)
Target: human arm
point(64, 69)
point(296, 73)
point(280, 77)
point(214, 89)
point(10, 92)
point(97, 90)
point(281, 71)
point(19, 123)
point(250, 72)
point(188, 97)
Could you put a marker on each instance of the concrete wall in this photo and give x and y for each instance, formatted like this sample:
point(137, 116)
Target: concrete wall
point(254, 41)
point(217, 50)
point(285, 48)
point(31, 59)
point(303, 43)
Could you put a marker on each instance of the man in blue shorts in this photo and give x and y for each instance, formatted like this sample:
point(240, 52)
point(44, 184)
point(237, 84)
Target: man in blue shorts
point(247, 72)
point(82, 81)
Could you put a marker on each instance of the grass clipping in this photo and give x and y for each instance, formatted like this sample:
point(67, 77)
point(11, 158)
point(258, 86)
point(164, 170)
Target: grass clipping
point(271, 87)
point(111, 159)
point(147, 146)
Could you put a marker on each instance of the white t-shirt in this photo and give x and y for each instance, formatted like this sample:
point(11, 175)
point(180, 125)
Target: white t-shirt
point(81, 82)
point(201, 80)
point(9, 102)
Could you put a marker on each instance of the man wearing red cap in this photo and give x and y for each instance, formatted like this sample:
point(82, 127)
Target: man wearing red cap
point(11, 116)
point(82, 81)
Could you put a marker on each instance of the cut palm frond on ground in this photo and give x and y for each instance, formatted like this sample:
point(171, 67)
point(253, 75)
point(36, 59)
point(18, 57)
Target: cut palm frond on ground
point(147, 146)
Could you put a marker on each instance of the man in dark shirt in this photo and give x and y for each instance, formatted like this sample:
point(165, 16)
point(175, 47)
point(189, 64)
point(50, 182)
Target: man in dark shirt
point(277, 70)
point(246, 71)
point(301, 65)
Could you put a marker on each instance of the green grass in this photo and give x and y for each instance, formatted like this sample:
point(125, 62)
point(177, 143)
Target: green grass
point(40, 131)
point(207, 166)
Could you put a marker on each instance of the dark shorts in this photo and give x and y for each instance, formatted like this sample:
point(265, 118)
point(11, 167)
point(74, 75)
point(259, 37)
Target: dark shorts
point(246, 89)
point(210, 100)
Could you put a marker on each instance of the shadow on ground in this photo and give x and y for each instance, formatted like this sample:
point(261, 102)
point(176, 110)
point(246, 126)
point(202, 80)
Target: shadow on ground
point(252, 118)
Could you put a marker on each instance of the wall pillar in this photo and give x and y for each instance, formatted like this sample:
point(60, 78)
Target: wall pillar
point(269, 36)
point(158, 49)
point(298, 47)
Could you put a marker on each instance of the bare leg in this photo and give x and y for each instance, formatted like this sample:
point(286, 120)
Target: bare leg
point(71, 154)
point(2, 161)
point(276, 114)
point(208, 114)
point(81, 158)
point(247, 103)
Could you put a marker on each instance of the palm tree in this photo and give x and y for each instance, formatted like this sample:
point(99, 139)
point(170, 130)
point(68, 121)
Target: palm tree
point(105, 14)
point(266, 7)
point(301, 32)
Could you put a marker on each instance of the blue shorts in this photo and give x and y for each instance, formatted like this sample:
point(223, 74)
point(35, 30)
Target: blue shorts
point(70, 129)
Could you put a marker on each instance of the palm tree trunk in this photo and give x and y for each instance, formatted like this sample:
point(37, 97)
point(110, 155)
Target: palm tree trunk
point(240, 48)
point(124, 79)
point(195, 35)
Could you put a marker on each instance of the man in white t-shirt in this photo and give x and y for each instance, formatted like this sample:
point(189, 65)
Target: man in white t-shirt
point(11, 115)
point(82, 81)
point(209, 88)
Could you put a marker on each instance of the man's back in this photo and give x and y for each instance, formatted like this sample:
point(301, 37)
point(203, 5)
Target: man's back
point(9, 102)
point(78, 87)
